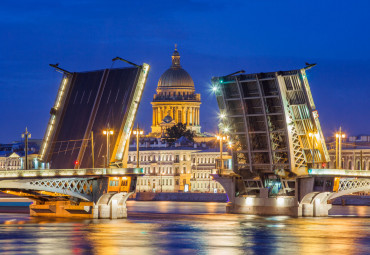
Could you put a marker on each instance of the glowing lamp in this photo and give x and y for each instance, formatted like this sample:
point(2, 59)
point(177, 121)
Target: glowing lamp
point(280, 201)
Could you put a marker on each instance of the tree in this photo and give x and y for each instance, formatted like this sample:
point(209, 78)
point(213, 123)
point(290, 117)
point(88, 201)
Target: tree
point(175, 132)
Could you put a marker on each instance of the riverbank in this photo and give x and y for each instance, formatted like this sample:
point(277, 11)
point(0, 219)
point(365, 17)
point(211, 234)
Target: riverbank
point(181, 197)
point(352, 200)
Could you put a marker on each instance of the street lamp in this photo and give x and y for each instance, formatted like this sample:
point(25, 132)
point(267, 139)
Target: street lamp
point(26, 135)
point(313, 135)
point(338, 143)
point(222, 139)
point(137, 132)
point(161, 181)
point(108, 132)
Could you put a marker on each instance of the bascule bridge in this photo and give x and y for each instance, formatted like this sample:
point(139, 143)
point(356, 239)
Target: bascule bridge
point(81, 169)
point(278, 146)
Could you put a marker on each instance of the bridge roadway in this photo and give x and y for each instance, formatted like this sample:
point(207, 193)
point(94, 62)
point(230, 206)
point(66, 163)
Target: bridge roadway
point(87, 193)
point(306, 195)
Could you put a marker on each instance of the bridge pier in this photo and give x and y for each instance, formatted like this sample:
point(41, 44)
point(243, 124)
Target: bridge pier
point(306, 202)
point(111, 206)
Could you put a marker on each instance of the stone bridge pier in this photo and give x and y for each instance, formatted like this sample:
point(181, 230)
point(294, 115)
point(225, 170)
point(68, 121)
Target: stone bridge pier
point(111, 206)
point(305, 196)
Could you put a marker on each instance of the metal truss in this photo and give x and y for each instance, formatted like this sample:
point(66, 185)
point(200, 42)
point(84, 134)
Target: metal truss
point(299, 157)
point(354, 184)
point(78, 188)
point(77, 185)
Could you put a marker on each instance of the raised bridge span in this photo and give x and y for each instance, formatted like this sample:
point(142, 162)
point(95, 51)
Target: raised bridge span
point(278, 146)
point(81, 167)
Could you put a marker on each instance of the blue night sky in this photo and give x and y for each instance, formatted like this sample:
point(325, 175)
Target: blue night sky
point(215, 38)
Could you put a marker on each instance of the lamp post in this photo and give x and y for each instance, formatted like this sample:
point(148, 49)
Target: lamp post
point(26, 135)
point(222, 139)
point(313, 135)
point(137, 132)
point(338, 148)
point(161, 181)
point(108, 132)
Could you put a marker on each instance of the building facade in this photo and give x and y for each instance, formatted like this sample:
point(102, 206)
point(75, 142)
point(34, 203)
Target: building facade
point(176, 169)
point(16, 161)
point(176, 100)
point(352, 159)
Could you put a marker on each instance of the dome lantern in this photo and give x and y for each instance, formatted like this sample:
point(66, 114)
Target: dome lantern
point(175, 76)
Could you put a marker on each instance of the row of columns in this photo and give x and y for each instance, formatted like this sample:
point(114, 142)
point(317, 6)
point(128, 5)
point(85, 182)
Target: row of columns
point(189, 115)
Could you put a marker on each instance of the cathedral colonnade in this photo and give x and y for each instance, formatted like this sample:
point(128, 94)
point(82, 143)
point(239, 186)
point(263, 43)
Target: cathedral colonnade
point(183, 114)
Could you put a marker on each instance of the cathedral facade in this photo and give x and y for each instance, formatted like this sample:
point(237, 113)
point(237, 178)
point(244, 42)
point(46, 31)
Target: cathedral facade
point(175, 100)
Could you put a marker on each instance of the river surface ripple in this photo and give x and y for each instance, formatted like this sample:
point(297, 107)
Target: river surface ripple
point(188, 228)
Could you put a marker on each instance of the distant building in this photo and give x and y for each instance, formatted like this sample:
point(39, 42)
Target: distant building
point(12, 155)
point(180, 168)
point(16, 161)
point(355, 149)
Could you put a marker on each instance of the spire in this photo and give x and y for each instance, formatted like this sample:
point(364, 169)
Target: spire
point(175, 58)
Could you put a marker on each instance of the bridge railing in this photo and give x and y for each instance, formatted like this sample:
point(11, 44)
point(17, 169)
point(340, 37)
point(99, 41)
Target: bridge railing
point(10, 174)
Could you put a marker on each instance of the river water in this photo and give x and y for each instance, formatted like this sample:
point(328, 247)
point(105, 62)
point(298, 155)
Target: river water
point(188, 228)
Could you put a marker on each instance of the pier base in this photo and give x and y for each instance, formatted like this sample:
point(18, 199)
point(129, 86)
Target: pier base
point(263, 206)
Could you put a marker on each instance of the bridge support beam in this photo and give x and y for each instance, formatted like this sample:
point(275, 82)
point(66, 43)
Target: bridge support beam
point(61, 209)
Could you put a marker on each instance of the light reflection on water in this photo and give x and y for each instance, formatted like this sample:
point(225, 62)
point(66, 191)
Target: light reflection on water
point(164, 228)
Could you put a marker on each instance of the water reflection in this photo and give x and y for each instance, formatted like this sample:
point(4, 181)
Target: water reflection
point(171, 231)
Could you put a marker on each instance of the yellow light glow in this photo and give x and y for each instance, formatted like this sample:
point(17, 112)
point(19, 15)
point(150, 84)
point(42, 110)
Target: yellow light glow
point(104, 132)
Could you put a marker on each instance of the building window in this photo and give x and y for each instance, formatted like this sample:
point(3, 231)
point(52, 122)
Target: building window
point(184, 157)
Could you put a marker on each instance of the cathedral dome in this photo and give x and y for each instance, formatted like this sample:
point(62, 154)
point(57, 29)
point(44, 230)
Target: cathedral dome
point(175, 76)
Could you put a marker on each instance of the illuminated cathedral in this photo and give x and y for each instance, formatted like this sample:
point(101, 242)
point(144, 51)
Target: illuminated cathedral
point(176, 100)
